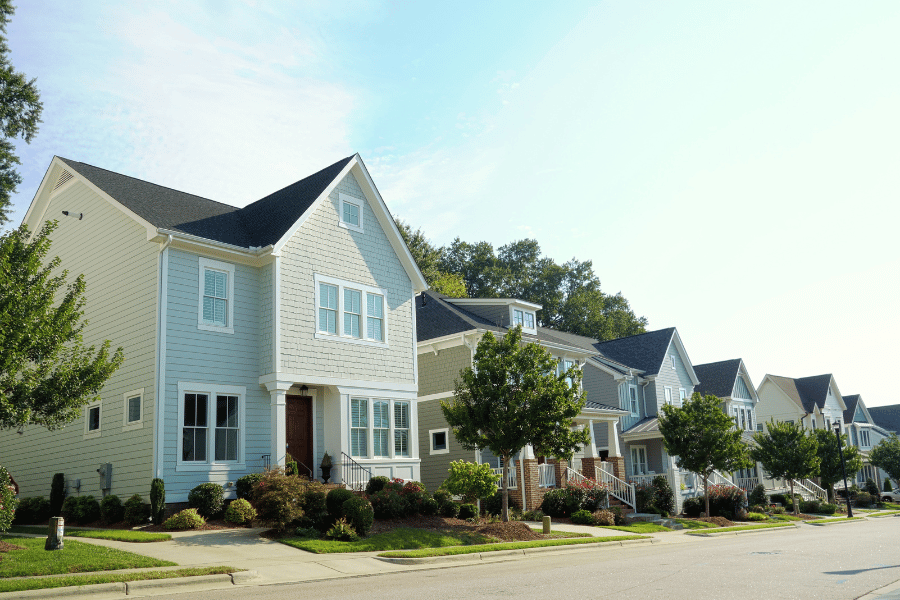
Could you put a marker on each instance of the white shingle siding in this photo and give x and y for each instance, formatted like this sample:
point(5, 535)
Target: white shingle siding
point(120, 270)
point(672, 378)
point(321, 246)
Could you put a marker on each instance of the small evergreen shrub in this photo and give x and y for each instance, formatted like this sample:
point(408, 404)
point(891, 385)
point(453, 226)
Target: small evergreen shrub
point(618, 514)
point(450, 510)
point(307, 532)
point(208, 499)
point(809, 506)
point(388, 504)
point(189, 518)
point(442, 496)
point(872, 488)
point(111, 509)
point(533, 515)
point(158, 500)
point(755, 516)
point(358, 512)
point(582, 517)
point(494, 504)
point(291, 468)
point(136, 512)
point(468, 511)
point(778, 510)
point(32, 511)
point(335, 500)
point(758, 508)
point(376, 484)
point(644, 496)
point(827, 509)
point(341, 531)
point(758, 496)
point(694, 507)
point(664, 498)
point(245, 485)
point(430, 507)
point(887, 486)
point(81, 509)
point(315, 508)
point(57, 494)
point(558, 503)
point(605, 517)
point(864, 499)
point(239, 512)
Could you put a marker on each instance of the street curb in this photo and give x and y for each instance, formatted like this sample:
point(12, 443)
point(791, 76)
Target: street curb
point(115, 590)
point(839, 522)
point(179, 584)
point(480, 556)
point(759, 530)
point(97, 591)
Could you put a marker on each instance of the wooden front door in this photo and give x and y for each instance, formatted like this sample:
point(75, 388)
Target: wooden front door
point(299, 424)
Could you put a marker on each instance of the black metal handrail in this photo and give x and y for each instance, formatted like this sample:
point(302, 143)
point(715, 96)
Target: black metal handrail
point(354, 476)
point(311, 474)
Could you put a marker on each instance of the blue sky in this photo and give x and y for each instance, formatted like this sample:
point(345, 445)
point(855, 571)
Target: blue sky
point(729, 167)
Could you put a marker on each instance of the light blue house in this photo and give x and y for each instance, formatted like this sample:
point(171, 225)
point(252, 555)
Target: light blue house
point(286, 326)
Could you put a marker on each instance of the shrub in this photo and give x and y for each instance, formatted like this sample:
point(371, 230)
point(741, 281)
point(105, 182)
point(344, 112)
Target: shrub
point(618, 515)
point(376, 484)
point(471, 480)
point(278, 498)
point(8, 500)
point(291, 468)
point(307, 532)
point(755, 516)
point(724, 501)
point(827, 509)
point(605, 517)
point(32, 510)
point(189, 518)
point(653, 510)
point(136, 512)
point(208, 499)
point(809, 506)
point(468, 511)
point(335, 499)
point(494, 504)
point(758, 496)
point(413, 494)
point(872, 488)
point(158, 500)
point(239, 512)
point(111, 509)
point(442, 496)
point(430, 507)
point(341, 531)
point(562, 502)
point(358, 512)
point(665, 497)
point(81, 509)
point(246, 484)
point(533, 515)
point(388, 504)
point(582, 517)
point(778, 510)
point(315, 508)
point(694, 507)
point(644, 496)
point(451, 510)
point(57, 494)
point(887, 486)
point(864, 499)
point(758, 508)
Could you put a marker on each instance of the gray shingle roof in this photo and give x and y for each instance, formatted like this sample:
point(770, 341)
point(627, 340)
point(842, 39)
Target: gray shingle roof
point(598, 406)
point(851, 402)
point(646, 425)
point(887, 417)
point(258, 224)
point(807, 392)
point(645, 351)
point(717, 378)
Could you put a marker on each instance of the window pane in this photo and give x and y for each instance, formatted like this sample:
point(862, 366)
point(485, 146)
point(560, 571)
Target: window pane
point(190, 410)
point(358, 441)
point(380, 442)
point(401, 415)
point(221, 440)
point(380, 414)
point(359, 409)
point(219, 316)
point(375, 305)
point(187, 444)
point(209, 283)
point(200, 444)
point(201, 410)
point(529, 320)
point(134, 409)
point(517, 317)
point(94, 419)
point(401, 443)
point(209, 309)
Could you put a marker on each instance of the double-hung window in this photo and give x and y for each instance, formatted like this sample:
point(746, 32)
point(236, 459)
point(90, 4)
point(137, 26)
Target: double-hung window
point(196, 425)
point(864, 438)
point(359, 427)
point(211, 421)
point(216, 292)
point(92, 420)
point(386, 422)
point(132, 417)
point(227, 429)
point(638, 460)
point(381, 427)
point(668, 392)
point(401, 428)
point(682, 394)
point(633, 401)
point(350, 312)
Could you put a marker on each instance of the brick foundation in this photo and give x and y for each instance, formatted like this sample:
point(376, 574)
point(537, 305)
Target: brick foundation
point(618, 463)
point(587, 466)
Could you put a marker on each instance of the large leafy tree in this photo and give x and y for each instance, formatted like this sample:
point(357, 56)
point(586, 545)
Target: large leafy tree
point(46, 372)
point(20, 113)
point(830, 468)
point(513, 396)
point(786, 451)
point(427, 257)
point(886, 456)
point(702, 438)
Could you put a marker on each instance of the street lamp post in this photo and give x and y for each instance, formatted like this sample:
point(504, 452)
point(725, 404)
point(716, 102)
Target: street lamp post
point(837, 432)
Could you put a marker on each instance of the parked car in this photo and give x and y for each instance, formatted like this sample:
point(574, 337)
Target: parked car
point(893, 496)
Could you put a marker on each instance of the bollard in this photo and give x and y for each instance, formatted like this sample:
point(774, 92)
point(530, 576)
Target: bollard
point(55, 534)
point(546, 525)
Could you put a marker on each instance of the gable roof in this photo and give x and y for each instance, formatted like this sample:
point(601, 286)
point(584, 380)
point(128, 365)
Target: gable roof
point(717, 378)
point(644, 351)
point(259, 224)
point(807, 392)
point(887, 417)
point(851, 402)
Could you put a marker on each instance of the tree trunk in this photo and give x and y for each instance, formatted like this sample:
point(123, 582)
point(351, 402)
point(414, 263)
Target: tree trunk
point(831, 495)
point(504, 514)
point(794, 500)
point(706, 492)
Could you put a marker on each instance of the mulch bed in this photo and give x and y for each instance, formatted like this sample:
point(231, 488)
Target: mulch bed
point(719, 521)
point(513, 531)
point(5, 547)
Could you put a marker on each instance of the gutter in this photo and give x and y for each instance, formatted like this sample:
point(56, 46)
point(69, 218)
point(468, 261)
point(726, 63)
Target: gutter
point(252, 250)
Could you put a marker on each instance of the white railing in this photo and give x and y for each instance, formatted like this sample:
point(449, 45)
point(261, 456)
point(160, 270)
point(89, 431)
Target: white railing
point(645, 479)
point(546, 476)
point(618, 488)
point(511, 478)
point(717, 478)
point(809, 490)
point(575, 464)
point(747, 483)
point(573, 475)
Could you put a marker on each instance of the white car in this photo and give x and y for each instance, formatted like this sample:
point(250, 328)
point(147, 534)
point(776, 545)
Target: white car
point(891, 496)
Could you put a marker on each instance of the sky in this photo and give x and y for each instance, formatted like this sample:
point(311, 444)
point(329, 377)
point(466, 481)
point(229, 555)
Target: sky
point(729, 167)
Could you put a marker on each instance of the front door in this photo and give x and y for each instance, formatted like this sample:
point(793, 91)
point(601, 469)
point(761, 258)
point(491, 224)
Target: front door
point(299, 424)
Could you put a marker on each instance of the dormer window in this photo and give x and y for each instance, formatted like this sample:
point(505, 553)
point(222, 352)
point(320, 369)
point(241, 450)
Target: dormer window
point(351, 212)
point(523, 318)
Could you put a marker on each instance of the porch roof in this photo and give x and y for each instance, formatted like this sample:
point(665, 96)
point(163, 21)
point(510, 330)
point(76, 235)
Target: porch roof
point(645, 428)
point(591, 407)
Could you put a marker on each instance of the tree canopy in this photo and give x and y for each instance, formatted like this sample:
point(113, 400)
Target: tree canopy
point(46, 372)
point(702, 438)
point(513, 396)
point(886, 456)
point(830, 469)
point(786, 451)
point(569, 293)
point(20, 113)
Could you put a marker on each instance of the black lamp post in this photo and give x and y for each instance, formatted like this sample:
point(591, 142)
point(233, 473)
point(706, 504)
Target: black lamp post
point(837, 432)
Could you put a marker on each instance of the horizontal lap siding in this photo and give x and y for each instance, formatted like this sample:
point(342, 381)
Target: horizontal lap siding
point(120, 270)
point(321, 246)
point(434, 466)
point(674, 378)
point(194, 355)
point(438, 373)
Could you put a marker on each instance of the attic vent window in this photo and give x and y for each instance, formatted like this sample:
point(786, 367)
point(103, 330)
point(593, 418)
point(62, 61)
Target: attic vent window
point(64, 177)
point(351, 213)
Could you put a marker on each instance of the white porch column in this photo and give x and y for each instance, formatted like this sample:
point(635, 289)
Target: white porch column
point(278, 424)
point(613, 439)
point(593, 447)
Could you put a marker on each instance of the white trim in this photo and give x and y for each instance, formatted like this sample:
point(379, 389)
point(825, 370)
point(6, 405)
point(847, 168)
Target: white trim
point(513, 308)
point(415, 344)
point(211, 390)
point(355, 385)
point(646, 463)
point(637, 401)
point(95, 433)
point(446, 432)
point(439, 396)
point(276, 315)
point(129, 425)
point(161, 325)
point(363, 289)
point(493, 302)
point(370, 426)
point(228, 268)
point(353, 201)
point(667, 394)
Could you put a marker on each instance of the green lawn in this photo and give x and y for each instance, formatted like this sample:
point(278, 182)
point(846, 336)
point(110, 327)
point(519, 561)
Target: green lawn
point(450, 551)
point(692, 524)
point(118, 535)
point(639, 527)
point(561, 534)
point(833, 521)
point(74, 557)
point(398, 539)
point(42, 583)
point(742, 528)
point(890, 513)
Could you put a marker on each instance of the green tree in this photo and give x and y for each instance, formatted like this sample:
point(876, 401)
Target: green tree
point(886, 456)
point(46, 372)
point(786, 451)
point(470, 480)
point(513, 396)
point(702, 438)
point(830, 471)
point(8, 501)
point(20, 113)
point(427, 257)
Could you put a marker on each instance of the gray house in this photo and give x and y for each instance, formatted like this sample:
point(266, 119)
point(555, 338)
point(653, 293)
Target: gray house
point(286, 326)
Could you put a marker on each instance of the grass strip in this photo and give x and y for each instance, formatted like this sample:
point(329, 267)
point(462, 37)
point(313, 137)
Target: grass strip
point(692, 524)
point(741, 528)
point(117, 535)
point(639, 527)
point(562, 534)
point(887, 514)
point(401, 538)
point(19, 585)
point(73, 557)
point(834, 521)
point(454, 550)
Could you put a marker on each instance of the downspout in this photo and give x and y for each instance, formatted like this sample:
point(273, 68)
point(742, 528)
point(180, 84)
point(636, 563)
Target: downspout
point(161, 316)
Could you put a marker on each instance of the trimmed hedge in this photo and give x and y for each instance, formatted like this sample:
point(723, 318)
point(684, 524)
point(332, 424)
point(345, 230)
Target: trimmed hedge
point(111, 509)
point(136, 511)
point(240, 512)
point(334, 501)
point(32, 510)
point(189, 518)
point(359, 514)
point(208, 499)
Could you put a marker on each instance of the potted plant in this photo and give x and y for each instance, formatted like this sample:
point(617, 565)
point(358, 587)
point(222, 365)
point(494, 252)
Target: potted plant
point(326, 467)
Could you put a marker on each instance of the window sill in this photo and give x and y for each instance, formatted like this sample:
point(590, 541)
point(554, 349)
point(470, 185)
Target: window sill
point(92, 434)
point(351, 227)
point(131, 426)
point(444, 451)
point(210, 467)
point(350, 340)
point(216, 328)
